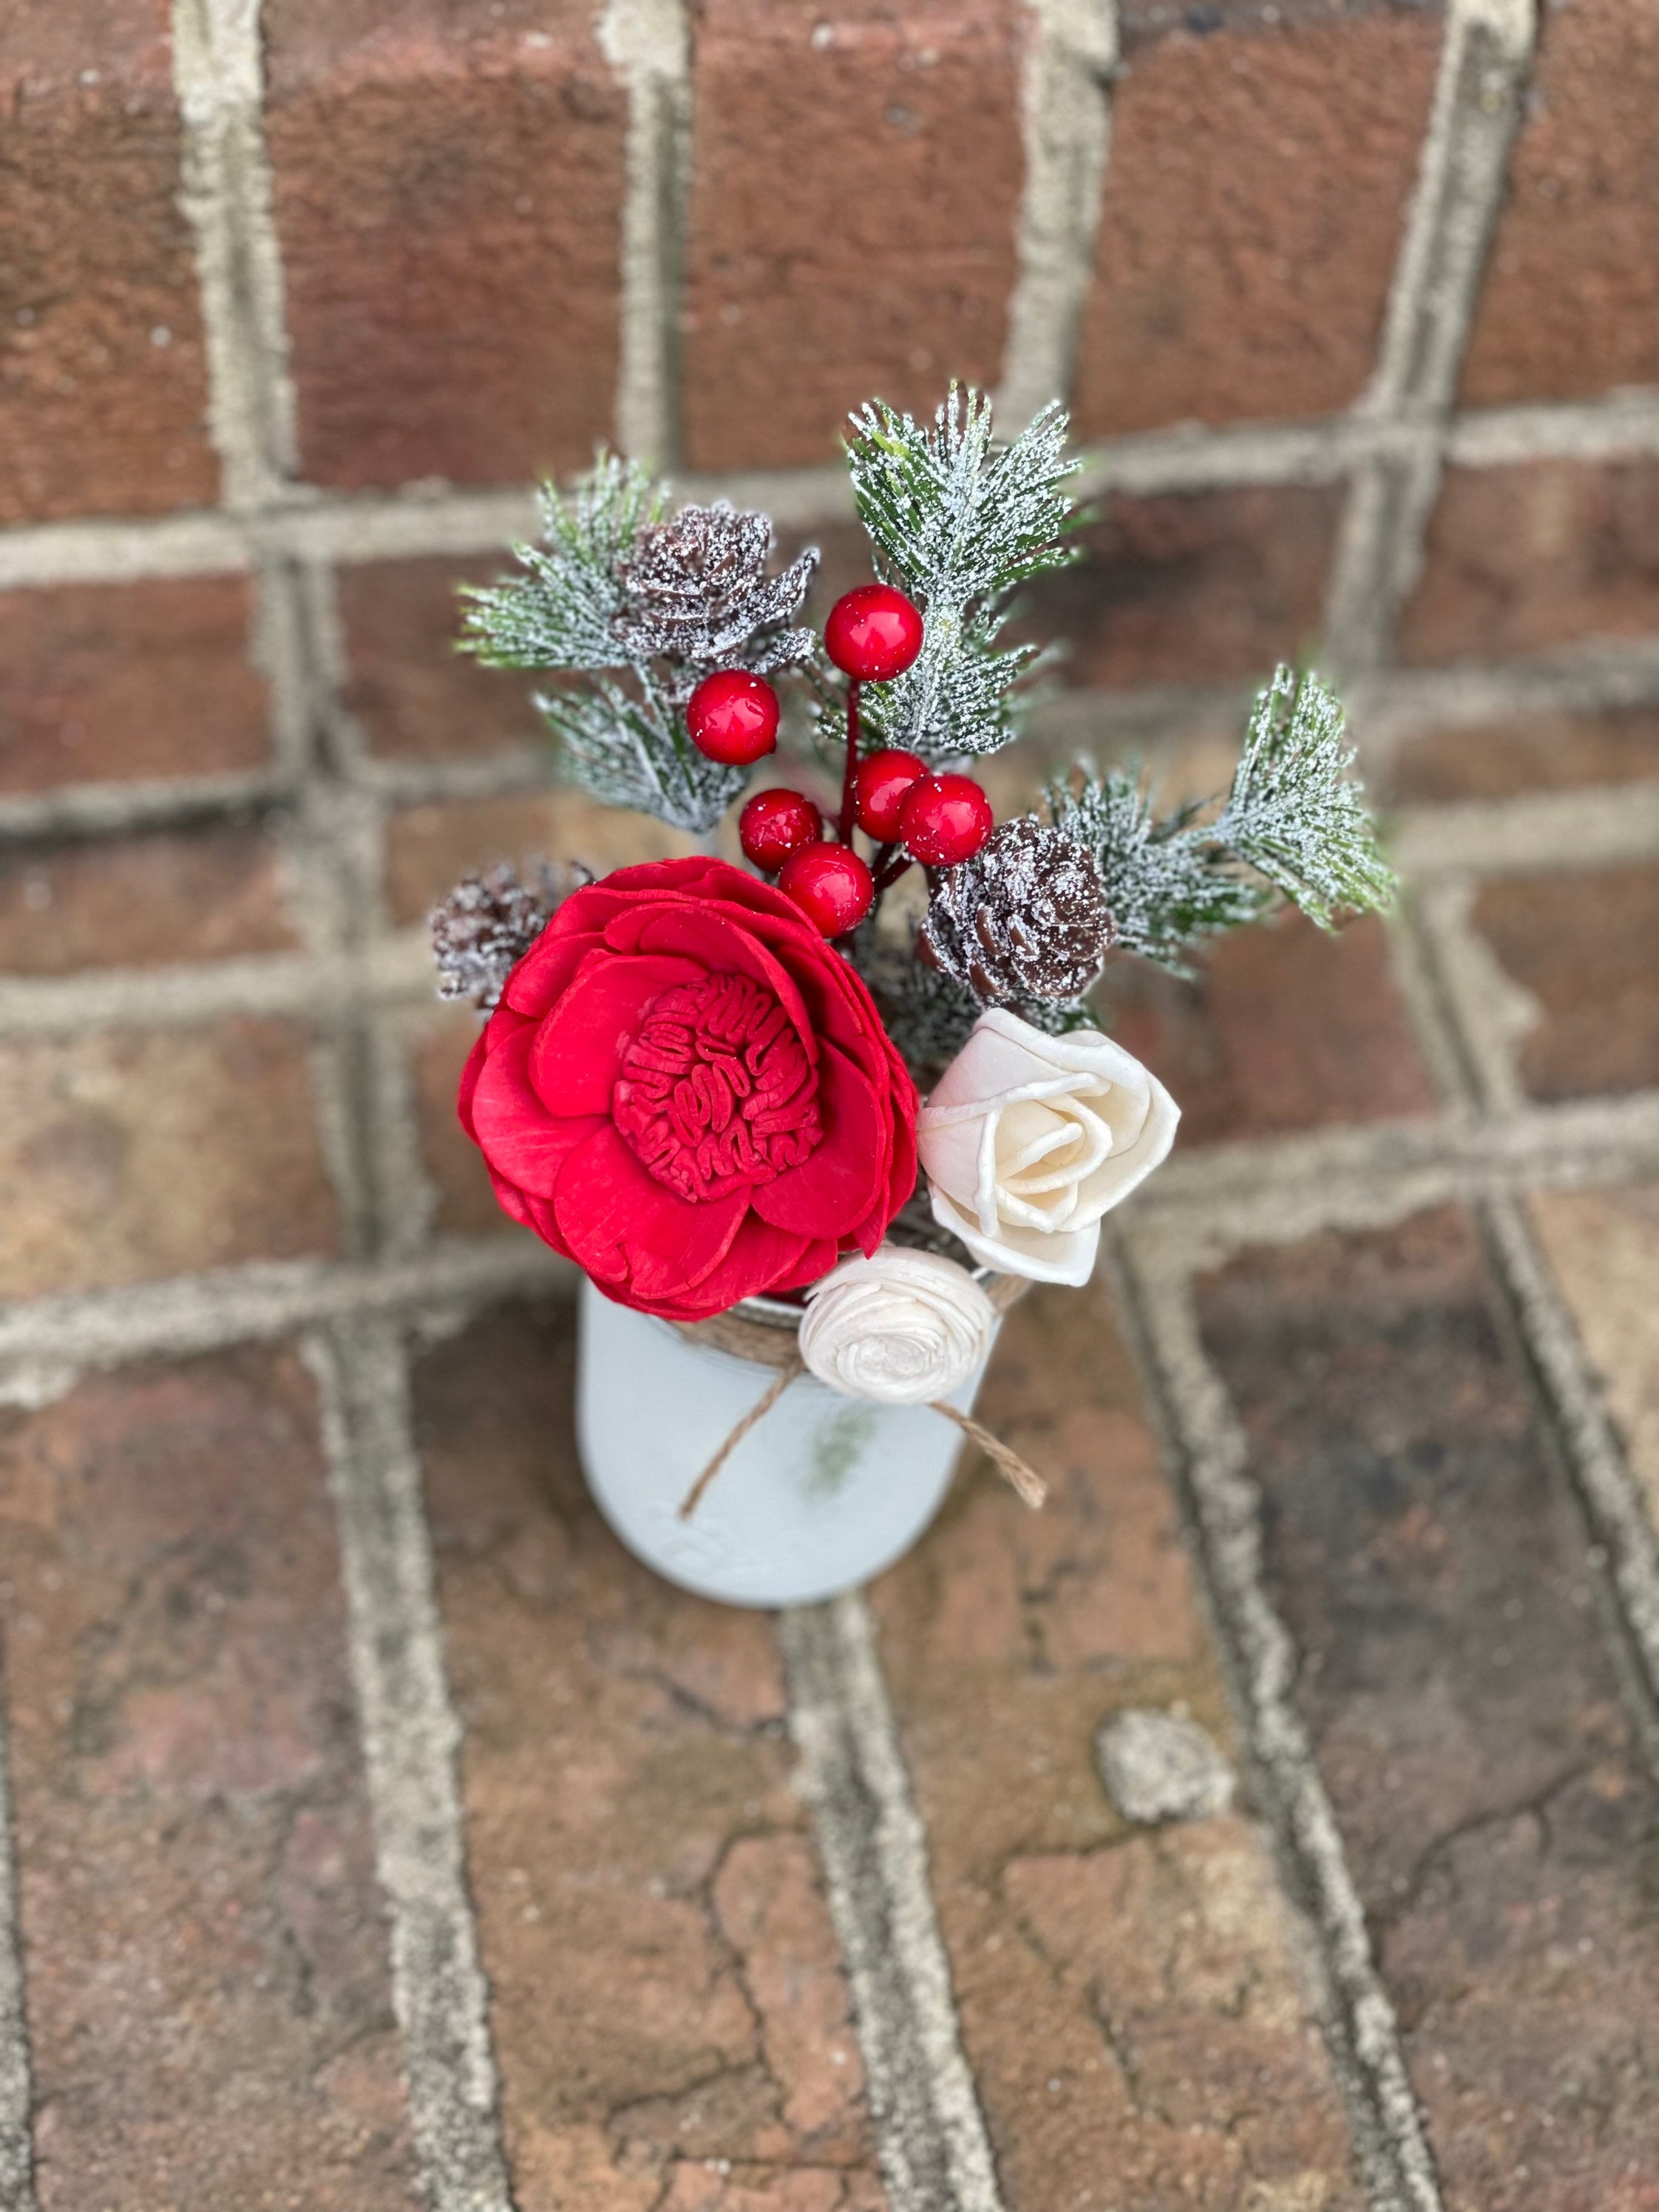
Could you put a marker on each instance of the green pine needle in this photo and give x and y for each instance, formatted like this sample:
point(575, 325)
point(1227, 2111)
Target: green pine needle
point(958, 522)
point(1294, 825)
point(1294, 815)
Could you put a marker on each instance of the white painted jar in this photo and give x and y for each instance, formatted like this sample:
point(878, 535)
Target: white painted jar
point(820, 1495)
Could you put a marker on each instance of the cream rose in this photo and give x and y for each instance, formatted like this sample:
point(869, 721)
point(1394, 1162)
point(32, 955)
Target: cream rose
point(1028, 1140)
point(903, 1326)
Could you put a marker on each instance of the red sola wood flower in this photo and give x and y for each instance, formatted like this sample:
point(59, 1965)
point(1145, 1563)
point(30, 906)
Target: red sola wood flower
point(686, 1092)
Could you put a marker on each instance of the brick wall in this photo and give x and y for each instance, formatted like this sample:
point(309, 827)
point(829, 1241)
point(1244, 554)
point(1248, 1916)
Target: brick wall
point(1354, 304)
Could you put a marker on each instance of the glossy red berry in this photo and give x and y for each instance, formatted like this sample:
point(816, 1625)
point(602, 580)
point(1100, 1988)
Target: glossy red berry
point(732, 716)
point(831, 885)
point(884, 782)
point(944, 819)
point(776, 823)
point(873, 632)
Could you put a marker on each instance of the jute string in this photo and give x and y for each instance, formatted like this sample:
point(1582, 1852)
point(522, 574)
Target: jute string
point(769, 1345)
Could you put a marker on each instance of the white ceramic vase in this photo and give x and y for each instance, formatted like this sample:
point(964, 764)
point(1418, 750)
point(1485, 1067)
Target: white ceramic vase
point(822, 1494)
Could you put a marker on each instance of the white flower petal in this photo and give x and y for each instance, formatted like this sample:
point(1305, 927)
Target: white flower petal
point(1029, 1139)
point(1042, 1257)
point(903, 1326)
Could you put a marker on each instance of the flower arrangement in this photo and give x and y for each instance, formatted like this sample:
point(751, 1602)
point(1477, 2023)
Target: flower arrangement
point(791, 1080)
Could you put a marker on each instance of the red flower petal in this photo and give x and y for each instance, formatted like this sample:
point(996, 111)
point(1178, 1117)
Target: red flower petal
point(468, 1084)
point(622, 1223)
point(579, 1047)
point(761, 1259)
point(518, 1138)
point(714, 941)
point(830, 1194)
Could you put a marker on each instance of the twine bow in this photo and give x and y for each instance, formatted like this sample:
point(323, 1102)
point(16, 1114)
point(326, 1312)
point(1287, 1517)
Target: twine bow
point(767, 1345)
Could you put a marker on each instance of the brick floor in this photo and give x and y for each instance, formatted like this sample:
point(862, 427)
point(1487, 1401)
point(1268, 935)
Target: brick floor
point(196, 1893)
point(1152, 2011)
point(1464, 1706)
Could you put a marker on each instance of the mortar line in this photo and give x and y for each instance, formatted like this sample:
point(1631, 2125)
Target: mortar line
point(1484, 61)
point(411, 1745)
point(1386, 706)
point(648, 43)
point(45, 1343)
point(1206, 1451)
point(1070, 50)
point(16, 2096)
point(935, 2155)
point(219, 77)
point(303, 521)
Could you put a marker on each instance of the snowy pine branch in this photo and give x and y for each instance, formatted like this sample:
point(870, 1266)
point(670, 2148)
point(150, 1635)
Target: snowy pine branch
point(958, 523)
point(635, 607)
point(1292, 817)
point(634, 751)
point(563, 612)
point(1168, 886)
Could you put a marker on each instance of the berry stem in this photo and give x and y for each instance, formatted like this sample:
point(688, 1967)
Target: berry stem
point(849, 777)
point(890, 866)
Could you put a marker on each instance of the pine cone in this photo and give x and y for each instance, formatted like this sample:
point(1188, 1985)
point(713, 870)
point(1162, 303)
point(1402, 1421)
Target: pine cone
point(491, 921)
point(696, 592)
point(1026, 918)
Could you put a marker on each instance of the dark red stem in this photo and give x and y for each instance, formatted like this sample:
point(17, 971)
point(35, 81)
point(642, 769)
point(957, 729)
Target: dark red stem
point(849, 778)
point(889, 870)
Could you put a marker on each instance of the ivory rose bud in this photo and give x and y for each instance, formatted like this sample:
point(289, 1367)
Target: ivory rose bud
point(903, 1326)
point(1029, 1139)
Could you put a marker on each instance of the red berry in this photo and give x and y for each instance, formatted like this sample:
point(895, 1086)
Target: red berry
point(732, 716)
point(831, 885)
point(944, 819)
point(884, 781)
point(776, 823)
point(873, 632)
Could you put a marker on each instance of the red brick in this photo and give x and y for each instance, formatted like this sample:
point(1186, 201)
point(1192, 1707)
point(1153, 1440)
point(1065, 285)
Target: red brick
point(429, 847)
point(1193, 585)
point(103, 682)
point(438, 1045)
point(133, 902)
point(1287, 1029)
point(665, 1985)
point(127, 1154)
point(1582, 944)
point(103, 386)
point(208, 2004)
point(448, 192)
point(1526, 558)
point(1131, 2002)
point(1463, 1707)
point(416, 698)
point(1226, 284)
point(1557, 752)
point(1571, 299)
point(855, 185)
point(1603, 1248)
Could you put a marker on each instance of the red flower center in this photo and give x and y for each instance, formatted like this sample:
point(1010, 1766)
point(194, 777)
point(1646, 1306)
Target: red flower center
point(716, 1093)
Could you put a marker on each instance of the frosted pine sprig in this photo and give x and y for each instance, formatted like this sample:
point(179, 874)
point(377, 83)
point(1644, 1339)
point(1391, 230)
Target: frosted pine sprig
point(958, 522)
point(632, 608)
point(1295, 814)
point(1294, 823)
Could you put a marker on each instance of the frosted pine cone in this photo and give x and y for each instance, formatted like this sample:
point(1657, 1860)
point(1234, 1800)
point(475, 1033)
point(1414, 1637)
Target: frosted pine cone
point(491, 921)
point(696, 592)
point(1026, 918)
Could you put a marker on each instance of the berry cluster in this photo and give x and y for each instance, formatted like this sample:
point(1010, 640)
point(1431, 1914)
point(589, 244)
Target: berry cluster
point(873, 634)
